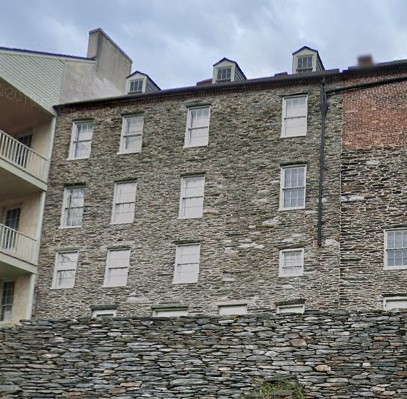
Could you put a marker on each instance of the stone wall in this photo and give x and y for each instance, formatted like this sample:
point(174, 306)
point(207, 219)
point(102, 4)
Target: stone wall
point(242, 230)
point(332, 355)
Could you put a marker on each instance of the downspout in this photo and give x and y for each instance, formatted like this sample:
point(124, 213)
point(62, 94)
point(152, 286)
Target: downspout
point(324, 111)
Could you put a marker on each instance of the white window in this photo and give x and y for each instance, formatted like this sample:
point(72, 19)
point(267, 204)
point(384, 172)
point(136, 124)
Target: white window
point(294, 116)
point(192, 197)
point(395, 302)
point(225, 310)
point(187, 264)
point(6, 297)
point(124, 202)
point(291, 262)
point(65, 268)
point(72, 210)
point(304, 63)
point(136, 86)
point(294, 308)
point(117, 268)
point(293, 187)
point(170, 312)
point(81, 140)
point(132, 134)
point(395, 249)
point(104, 313)
point(197, 133)
point(224, 74)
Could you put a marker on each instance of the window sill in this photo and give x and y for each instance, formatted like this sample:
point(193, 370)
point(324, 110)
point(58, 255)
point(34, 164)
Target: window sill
point(77, 159)
point(289, 137)
point(392, 268)
point(293, 275)
point(62, 288)
point(118, 224)
point(70, 227)
point(195, 146)
point(291, 209)
point(114, 286)
point(182, 283)
point(128, 152)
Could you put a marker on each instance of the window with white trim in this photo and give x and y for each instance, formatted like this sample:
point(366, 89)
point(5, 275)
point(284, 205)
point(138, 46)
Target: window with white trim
point(294, 308)
point(294, 116)
point(293, 187)
point(224, 74)
point(192, 197)
point(81, 140)
point(395, 302)
point(136, 86)
point(72, 209)
point(395, 249)
point(132, 134)
point(7, 297)
point(170, 312)
point(186, 264)
point(291, 262)
point(65, 269)
point(304, 63)
point(197, 133)
point(104, 313)
point(225, 310)
point(117, 267)
point(124, 202)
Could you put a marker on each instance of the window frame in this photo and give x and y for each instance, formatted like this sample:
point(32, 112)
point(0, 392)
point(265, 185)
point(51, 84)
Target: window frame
point(282, 188)
point(143, 85)
point(56, 269)
point(115, 203)
point(224, 67)
point(284, 117)
point(176, 279)
point(230, 307)
point(176, 311)
point(281, 266)
point(189, 128)
point(305, 70)
point(393, 299)
point(182, 196)
point(74, 141)
point(290, 308)
point(64, 220)
point(103, 313)
point(123, 135)
point(6, 315)
point(106, 283)
point(385, 255)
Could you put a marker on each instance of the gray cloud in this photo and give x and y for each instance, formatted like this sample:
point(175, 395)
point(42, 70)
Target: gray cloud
point(177, 41)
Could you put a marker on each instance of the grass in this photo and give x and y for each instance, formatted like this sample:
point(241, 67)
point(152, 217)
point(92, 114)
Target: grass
point(267, 388)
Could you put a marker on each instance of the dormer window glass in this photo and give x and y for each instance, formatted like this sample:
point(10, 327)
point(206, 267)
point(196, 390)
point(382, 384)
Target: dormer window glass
point(304, 64)
point(224, 74)
point(136, 86)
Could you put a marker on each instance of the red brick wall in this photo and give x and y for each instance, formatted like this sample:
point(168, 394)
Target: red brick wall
point(376, 116)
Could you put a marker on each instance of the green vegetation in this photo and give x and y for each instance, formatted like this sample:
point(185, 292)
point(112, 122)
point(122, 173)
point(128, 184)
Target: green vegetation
point(268, 388)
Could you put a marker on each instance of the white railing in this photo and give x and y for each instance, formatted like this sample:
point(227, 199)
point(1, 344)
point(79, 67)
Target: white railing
point(17, 244)
point(23, 157)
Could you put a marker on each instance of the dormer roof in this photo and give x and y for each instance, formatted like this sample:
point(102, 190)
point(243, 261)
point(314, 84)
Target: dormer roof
point(148, 85)
point(304, 51)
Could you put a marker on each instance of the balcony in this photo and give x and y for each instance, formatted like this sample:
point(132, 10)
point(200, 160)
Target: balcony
point(22, 170)
point(18, 252)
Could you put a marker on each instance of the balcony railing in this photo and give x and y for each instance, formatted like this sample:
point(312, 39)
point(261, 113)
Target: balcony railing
point(17, 244)
point(23, 157)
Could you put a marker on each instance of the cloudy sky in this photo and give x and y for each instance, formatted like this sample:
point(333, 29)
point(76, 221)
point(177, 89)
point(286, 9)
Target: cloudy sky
point(176, 42)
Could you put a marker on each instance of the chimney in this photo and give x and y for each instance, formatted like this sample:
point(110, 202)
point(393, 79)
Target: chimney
point(365, 61)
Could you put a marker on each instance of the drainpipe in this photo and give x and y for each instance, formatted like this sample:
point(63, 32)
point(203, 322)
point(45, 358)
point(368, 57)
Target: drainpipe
point(324, 111)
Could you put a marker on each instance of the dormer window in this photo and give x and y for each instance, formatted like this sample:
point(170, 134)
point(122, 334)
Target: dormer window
point(307, 60)
point(139, 83)
point(227, 70)
point(136, 86)
point(224, 75)
point(304, 64)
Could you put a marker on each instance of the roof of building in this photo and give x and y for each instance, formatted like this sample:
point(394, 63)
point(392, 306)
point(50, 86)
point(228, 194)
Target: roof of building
point(35, 52)
point(277, 79)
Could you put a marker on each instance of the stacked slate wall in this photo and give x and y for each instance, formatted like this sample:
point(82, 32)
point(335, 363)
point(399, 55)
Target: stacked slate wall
point(332, 355)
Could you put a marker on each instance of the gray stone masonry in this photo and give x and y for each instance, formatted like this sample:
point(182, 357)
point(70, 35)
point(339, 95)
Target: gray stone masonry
point(335, 355)
point(242, 230)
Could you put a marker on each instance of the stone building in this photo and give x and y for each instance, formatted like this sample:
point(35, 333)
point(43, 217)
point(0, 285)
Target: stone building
point(31, 83)
point(236, 195)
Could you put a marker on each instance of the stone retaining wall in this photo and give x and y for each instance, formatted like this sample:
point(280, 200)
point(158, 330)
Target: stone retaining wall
point(331, 355)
